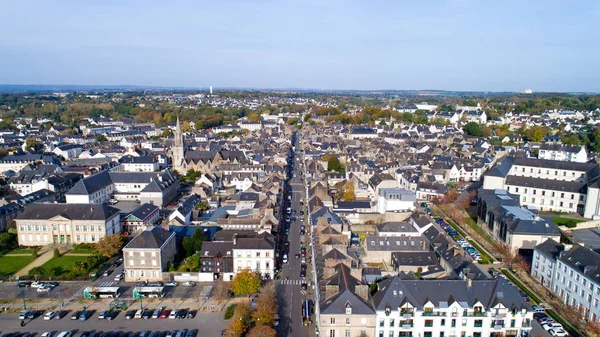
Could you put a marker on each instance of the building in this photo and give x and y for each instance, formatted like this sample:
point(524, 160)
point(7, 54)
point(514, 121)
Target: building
point(138, 164)
point(69, 151)
point(255, 253)
point(450, 308)
point(148, 255)
point(572, 153)
point(544, 261)
point(43, 224)
point(217, 258)
point(548, 185)
point(499, 213)
point(346, 309)
point(177, 151)
point(140, 218)
point(156, 188)
point(395, 200)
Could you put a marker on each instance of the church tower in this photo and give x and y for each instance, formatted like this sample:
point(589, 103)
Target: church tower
point(178, 155)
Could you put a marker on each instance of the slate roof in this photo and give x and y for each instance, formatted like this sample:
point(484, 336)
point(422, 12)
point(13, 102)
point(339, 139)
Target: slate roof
point(548, 184)
point(414, 259)
point(582, 260)
point(44, 211)
point(151, 238)
point(561, 148)
point(396, 243)
point(554, 164)
point(396, 227)
point(550, 249)
point(143, 211)
point(259, 241)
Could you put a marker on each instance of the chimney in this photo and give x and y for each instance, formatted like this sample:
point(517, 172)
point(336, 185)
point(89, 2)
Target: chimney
point(331, 291)
point(469, 283)
point(356, 273)
point(235, 236)
point(362, 291)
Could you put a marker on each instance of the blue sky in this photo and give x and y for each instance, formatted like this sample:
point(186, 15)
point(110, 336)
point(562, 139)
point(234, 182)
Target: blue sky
point(453, 45)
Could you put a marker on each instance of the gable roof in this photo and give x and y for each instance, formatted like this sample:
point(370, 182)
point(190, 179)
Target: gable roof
point(152, 238)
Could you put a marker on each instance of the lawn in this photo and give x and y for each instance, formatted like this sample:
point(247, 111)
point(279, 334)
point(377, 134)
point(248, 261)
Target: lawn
point(62, 265)
point(571, 223)
point(82, 251)
point(20, 252)
point(12, 264)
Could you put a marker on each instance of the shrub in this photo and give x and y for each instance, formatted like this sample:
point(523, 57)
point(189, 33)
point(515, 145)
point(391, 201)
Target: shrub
point(56, 253)
point(230, 310)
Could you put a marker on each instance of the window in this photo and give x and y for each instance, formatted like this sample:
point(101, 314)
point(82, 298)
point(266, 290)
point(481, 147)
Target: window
point(381, 322)
point(331, 333)
point(562, 195)
point(257, 254)
point(543, 192)
point(453, 323)
point(534, 192)
point(77, 228)
point(332, 321)
point(347, 320)
point(428, 323)
point(572, 196)
point(443, 322)
point(391, 322)
point(347, 333)
point(153, 254)
point(427, 334)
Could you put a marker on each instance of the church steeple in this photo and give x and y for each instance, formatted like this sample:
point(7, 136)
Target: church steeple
point(178, 153)
point(178, 137)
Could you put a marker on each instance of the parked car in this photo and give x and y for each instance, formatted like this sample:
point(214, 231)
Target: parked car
point(191, 314)
point(85, 314)
point(102, 314)
point(112, 314)
point(49, 315)
point(23, 284)
point(173, 314)
point(75, 315)
point(558, 332)
point(36, 284)
point(130, 314)
point(189, 283)
point(545, 320)
point(23, 315)
point(147, 314)
point(172, 284)
point(192, 333)
point(302, 273)
point(156, 313)
point(165, 313)
point(538, 308)
point(554, 325)
point(182, 313)
point(48, 334)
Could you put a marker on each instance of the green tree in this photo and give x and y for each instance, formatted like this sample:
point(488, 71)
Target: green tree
point(8, 239)
point(102, 138)
point(333, 164)
point(37, 272)
point(245, 283)
point(473, 129)
point(193, 244)
point(32, 144)
point(110, 245)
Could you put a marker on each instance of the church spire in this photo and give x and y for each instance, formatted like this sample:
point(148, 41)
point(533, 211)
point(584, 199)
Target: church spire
point(178, 137)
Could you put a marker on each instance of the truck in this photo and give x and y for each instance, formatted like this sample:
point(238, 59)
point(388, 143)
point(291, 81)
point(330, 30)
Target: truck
point(307, 313)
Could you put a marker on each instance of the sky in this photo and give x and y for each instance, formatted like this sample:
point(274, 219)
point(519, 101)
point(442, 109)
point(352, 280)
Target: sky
point(464, 45)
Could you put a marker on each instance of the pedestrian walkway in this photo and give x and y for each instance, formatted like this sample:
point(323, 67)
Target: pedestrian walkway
point(45, 257)
point(291, 282)
point(108, 284)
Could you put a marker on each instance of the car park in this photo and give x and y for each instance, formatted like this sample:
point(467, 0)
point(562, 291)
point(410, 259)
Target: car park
point(33, 314)
point(60, 314)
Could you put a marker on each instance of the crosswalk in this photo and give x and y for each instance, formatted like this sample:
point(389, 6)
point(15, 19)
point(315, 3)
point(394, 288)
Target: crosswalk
point(107, 284)
point(291, 282)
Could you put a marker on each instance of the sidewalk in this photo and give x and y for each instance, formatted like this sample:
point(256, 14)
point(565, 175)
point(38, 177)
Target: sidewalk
point(45, 257)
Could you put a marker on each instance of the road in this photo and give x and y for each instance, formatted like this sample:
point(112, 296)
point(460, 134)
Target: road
point(208, 323)
point(290, 294)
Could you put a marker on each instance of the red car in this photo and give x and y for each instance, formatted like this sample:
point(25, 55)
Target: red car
point(165, 314)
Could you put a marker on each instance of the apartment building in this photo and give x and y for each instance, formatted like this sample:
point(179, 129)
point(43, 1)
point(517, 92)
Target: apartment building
point(395, 199)
point(148, 255)
point(572, 153)
point(43, 224)
point(548, 185)
point(138, 164)
point(544, 261)
point(431, 308)
point(255, 253)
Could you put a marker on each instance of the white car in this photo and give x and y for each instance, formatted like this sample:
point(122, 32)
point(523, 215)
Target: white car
point(173, 314)
point(538, 308)
point(549, 326)
point(189, 283)
point(37, 284)
point(558, 332)
point(172, 284)
point(46, 334)
point(44, 289)
point(49, 315)
point(119, 277)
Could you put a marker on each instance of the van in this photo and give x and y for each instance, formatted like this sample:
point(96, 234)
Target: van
point(138, 314)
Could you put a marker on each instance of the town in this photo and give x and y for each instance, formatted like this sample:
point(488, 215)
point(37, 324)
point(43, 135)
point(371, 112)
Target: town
point(255, 213)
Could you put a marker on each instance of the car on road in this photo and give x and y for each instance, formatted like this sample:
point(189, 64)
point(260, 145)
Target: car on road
point(49, 315)
point(302, 273)
point(107, 272)
point(285, 258)
point(130, 314)
point(303, 266)
point(165, 313)
point(554, 325)
point(304, 286)
point(189, 283)
point(286, 243)
point(297, 256)
point(112, 201)
point(172, 284)
point(558, 332)
point(75, 314)
point(119, 277)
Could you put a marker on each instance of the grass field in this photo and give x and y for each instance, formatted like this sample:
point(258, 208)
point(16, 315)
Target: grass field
point(62, 265)
point(19, 252)
point(82, 251)
point(12, 264)
point(560, 221)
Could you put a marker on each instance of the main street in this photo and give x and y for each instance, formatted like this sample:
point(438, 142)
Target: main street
point(290, 294)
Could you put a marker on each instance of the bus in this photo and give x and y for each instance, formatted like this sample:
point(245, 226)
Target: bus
point(101, 292)
point(306, 313)
point(148, 292)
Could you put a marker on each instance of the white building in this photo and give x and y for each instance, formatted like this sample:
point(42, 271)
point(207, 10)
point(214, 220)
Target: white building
point(43, 224)
point(563, 153)
point(255, 253)
point(148, 255)
point(138, 164)
point(431, 308)
point(395, 199)
point(543, 262)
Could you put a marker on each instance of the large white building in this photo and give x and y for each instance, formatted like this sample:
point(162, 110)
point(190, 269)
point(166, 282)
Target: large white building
point(395, 200)
point(548, 185)
point(563, 153)
point(255, 253)
point(43, 224)
point(432, 308)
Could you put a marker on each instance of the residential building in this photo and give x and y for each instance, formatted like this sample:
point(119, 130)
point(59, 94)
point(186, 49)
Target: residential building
point(572, 153)
point(544, 261)
point(149, 254)
point(43, 224)
point(140, 218)
point(255, 253)
point(450, 308)
point(395, 200)
point(138, 164)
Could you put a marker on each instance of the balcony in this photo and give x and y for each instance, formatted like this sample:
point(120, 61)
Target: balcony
point(434, 313)
point(477, 314)
point(405, 325)
point(406, 314)
point(497, 326)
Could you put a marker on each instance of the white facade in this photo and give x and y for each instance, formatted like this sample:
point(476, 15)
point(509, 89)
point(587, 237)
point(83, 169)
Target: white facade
point(562, 155)
point(395, 199)
point(139, 167)
point(261, 261)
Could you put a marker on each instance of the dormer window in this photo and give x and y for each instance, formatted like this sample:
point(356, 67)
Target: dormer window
point(348, 309)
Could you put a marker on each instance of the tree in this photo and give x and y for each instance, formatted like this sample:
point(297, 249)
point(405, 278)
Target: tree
point(33, 145)
point(254, 117)
point(348, 192)
point(220, 291)
point(110, 245)
point(102, 138)
point(8, 239)
point(37, 272)
point(451, 195)
point(473, 129)
point(333, 164)
point(167, 133)
point(240, 321)
point(56, 253)
point(185, 127)
point(266, 306)
point(245, 283)
point(193, 244)
point(262, 331)
point(34, 253)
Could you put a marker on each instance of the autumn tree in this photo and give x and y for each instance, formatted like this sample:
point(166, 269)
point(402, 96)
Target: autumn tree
point(110, 245)
point(185, 127)
point(254, 117)
point(451, 195)
point(240, 322)
point(245, 283)
point(220, 291)
point(348, 192)
point(262, 331)
point(266, 306)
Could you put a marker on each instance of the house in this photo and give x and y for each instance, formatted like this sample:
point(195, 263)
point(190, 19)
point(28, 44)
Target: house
point(183, 214)
point(362, 133)
point(570, 153)
point(217, 259)
point(379, 249)
point(69, 151)
point(138, 164)
point(543, 262)
point(42, 224)
point(380, 180)
point(149, 254)
point(395, 200)
point(396, 228)
point(140, 218)
point(255, 253)
point(409, 307)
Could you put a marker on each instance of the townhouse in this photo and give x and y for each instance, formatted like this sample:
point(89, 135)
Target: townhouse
point(148, 255)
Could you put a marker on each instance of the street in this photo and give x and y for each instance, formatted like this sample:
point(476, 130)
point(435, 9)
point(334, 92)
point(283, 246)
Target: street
point(290, 294)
